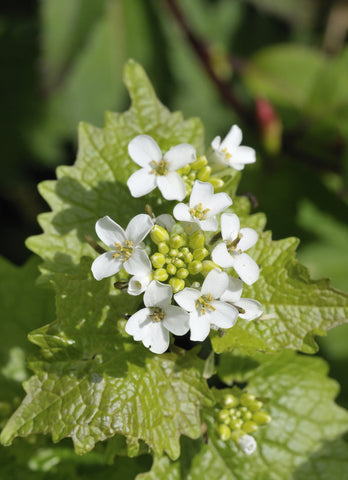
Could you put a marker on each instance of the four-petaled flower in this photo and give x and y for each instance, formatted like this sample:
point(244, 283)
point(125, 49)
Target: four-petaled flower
point(203, 206)
point(248, 444)
point(230, 152)
point(158, 170)
point(126, 249)
point(204, 307)
point(153, 323)
point(230, 253)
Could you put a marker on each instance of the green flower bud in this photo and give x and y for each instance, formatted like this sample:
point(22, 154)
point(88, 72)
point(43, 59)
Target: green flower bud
point(256, 405)
point(208, 265)
point(249, 427)
point(224, 432)
point(171, 269)
point(246, 399)
point(173, 252)
point(247, 415)
point(261, 418)
point(182, 273)
point(184, 250)
point(158, 260)
point(196, 239)
point(169, 259)
point(177, 284)
point(230, 401)
point(216, 182)
point(179, 263)
point(236, 424)
point(177, 241)
point(163, 248)
point(188, 257)
point(237, 434)
point(224, 416)
point(199, 163)
point(159, 234)
point(200, 254)
point(204, 173)
point(195, 267)
point(160, 274)
point(185, 170)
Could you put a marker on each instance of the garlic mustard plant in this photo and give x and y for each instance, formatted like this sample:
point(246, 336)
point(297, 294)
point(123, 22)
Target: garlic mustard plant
point(230, 152)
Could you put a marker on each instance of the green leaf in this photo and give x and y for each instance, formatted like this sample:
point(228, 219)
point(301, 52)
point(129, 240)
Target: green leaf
point(305, 423)
point(95, 185)
point(296, 308)
point(93, 381)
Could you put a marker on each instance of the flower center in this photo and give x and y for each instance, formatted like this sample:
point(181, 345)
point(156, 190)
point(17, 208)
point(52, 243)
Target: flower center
point(228, 156)
point(198, 212)
point(203, 304)
point(157, 314)
point(124, 251)
point(159, 168)
point(232, 246)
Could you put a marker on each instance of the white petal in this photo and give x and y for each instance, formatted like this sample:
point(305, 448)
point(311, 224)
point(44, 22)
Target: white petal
point(138, 228)
point(221, 257)
point(202, 192)
point(236, 166)
point(232, 139)
point(165, 220)
point(218, 203)
point(187, 298)
point(234, 290)
point(157, 338)
point(176, 320)
point(230, 226)
point(139, 262)
point(143, 149)
point(180, 155)
point(244, 155)
point(137, 323)
point(109, 232)
point(141, 183)
point(199, 326)
point(248, 444)
point(253, 308)
point(105, 265)
point(246, 268)
point(216, 143)
point(248, 240)
point(158, 294)
point(172, 186)
point(138, 284)
point(208, 225)
point(224, 315)
point(215, 283)
point(182, 212)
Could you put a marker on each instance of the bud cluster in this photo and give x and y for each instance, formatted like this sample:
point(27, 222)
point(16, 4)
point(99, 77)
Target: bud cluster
point(199, 170)
point(240, 414)
point(179, 257)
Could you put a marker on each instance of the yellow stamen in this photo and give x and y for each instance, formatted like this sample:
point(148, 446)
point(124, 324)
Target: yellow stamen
point(203, 304)
point(123, 251)
point(159, 168)
point(228, 156)
point(198, 212)
point(157, 314)
point(232, 246)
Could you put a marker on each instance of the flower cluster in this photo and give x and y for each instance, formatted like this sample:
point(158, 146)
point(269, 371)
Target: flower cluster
point(239, 416)
point(190, 266)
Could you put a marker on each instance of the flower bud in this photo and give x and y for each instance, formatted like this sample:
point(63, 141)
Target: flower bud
point(177, 284)
point(236, 424)
point(199, 163)
point(204, 173)
point(158, 260)
point(200, 254)
point(248, 444)
point(195, 267)
point(173, 252)
point(171, 269)
point(185, 170)
point(207, 266)
point(230, 401)
point(236, 435)
point(224, 415)
point(188, 257)
point(247, 415)
point(159, 234)
point(224, 432)
point(246, 399)
point(216, 182)
point(261, 418)
point(163, 248)
point(182, 273)
point(192, 176)
point(177, 241)
point(250, 427)
point(256, 405)
point(179, 263)
point(196, 239)
point(160, 274)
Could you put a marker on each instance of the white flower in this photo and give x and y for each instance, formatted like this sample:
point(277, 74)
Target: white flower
point(248, 444)
point(230, 152)
point(230, 253)
point(152, 324)
point(204, 308)
point(203, 206)
point(140, 282)
point(126, 250)
point(158, 170)
point(248, 308)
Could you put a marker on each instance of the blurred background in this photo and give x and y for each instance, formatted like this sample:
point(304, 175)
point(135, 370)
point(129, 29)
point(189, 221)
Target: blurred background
point(279, 69)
